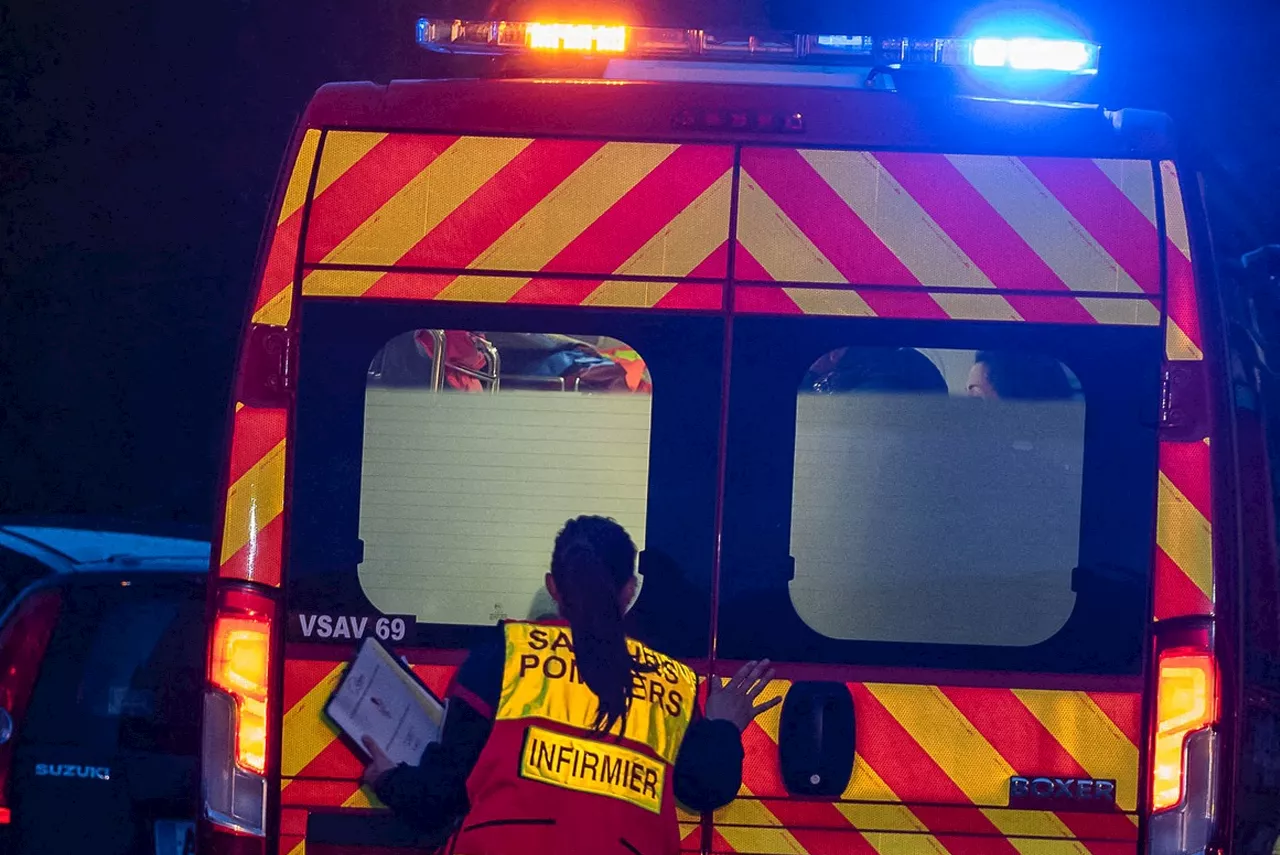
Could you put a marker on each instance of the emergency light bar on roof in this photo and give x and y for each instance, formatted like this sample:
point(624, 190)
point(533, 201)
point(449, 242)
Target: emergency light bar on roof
point(493, 38)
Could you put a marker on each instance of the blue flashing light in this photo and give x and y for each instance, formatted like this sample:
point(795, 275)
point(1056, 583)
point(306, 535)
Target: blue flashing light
point(991, 53)
point(1031, 54)
point(854, 42)
point(985, 51)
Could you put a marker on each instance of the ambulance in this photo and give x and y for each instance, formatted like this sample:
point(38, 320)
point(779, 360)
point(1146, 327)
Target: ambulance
point(936, 399)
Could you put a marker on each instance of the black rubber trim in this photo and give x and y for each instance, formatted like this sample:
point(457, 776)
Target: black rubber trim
point(491, 822)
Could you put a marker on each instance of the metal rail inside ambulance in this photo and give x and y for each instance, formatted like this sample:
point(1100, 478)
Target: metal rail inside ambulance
point(928, 398)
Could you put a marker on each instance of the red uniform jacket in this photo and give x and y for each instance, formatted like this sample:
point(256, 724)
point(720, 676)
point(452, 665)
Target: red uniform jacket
point(541, 781)
point(547, 782)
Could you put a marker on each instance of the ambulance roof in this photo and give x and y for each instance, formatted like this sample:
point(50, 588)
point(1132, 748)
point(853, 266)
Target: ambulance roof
point(805, 116)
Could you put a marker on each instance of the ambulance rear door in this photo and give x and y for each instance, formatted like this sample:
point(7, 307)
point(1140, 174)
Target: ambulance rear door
point(454, 410)
point(940, 500)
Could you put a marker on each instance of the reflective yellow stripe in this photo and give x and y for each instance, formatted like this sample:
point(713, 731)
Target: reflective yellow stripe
point(594, 767)
point(277, 309)
point(949, 738)
point(482, 289)
point(882, 812)
point(253, 501)
point(771, 237)
point(1089, 736)
point(756, 829)
point(691, 236)
point(362, 798)
point(821, 301)
point(1133, 179)
point(541, 680)
point(1185, 535)
point(694, 234)
point(1028, 823)
point(881, 817)
point(964, 754)
point(906, 844)
point(1044, 223)
point(423, 203)
point(1178, 346)
point(628, 294)
point(1174, 212)
point(897, 219)
point(566, 211)
point(339, 283)
point(275, 312)
point(295, 192)
point(1136, 313)
point(343, 150)
point(306, 731)
point(976, 307)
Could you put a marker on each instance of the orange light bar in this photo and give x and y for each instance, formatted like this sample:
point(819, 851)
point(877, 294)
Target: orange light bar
point(1186, 701)
point(577, 37)
point(496, 37)
point(240, 666)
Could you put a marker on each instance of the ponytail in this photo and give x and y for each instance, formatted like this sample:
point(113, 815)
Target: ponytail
point(593, 560)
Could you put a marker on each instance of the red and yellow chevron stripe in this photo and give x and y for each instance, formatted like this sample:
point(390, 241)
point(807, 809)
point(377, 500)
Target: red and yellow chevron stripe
point(317, 768)
point(932, 771)
point(588, 214)
point(900, 235)
point(932, 775)
point(253, 525)
point(1184, 533)
point(487, 288)
point(649, 225)
point(1184, 530)
point(274, 303)
point(1183, 340)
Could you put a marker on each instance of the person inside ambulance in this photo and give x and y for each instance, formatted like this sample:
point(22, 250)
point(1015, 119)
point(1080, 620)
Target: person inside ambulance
point(873, 369)
point(564, 736)
point(999, 375)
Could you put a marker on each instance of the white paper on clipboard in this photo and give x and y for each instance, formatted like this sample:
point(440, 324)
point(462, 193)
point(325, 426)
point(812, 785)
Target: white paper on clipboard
point(379, 698)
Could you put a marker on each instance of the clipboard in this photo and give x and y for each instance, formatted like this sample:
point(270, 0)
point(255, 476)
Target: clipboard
point(381, 697)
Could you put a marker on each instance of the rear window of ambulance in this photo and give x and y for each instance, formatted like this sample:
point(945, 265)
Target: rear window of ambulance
point(425, 488)
point(924, 496)
point(988, 506)
point(468, 472)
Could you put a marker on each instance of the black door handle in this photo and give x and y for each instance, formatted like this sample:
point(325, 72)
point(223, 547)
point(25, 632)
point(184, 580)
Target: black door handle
point(817, 739)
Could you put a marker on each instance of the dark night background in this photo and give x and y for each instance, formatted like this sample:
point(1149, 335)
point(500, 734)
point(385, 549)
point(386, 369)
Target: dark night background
point(139, 146)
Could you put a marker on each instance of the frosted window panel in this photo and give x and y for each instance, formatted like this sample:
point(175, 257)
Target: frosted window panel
point(462, 494)
point(927, 518)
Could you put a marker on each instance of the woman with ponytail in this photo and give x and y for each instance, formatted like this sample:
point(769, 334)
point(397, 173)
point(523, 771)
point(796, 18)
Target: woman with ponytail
point(566, 737)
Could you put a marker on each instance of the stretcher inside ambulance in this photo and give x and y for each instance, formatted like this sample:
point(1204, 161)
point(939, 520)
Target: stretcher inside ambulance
point(922, 398)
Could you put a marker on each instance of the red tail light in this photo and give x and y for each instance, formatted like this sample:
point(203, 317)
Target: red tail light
point(1186, 702)
point(239, 665)
point(1184, 748)
point(238, 709)
point(22, 644)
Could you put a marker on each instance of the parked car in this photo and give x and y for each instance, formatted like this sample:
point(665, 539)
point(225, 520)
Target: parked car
point(101, 668)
